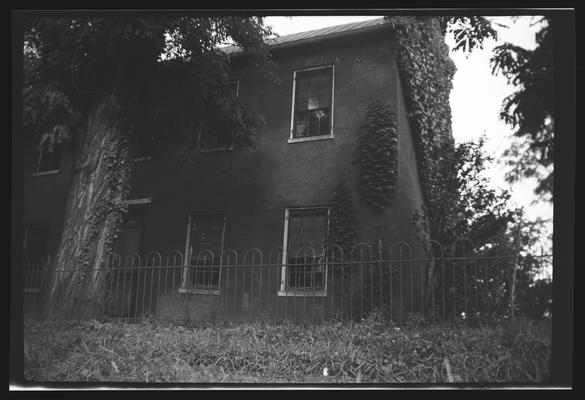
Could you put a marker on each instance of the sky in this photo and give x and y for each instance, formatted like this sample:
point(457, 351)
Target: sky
point(476, 98)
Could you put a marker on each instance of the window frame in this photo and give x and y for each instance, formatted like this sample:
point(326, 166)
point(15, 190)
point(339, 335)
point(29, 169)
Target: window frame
point(218, 149)
point(41, 151)
point(185, 287)
point(35, 259)
point(283, 290)
point(139, 201)
point(293, 139)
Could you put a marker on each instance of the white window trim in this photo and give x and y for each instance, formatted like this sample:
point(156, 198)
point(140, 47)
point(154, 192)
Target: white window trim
point(216, 149)
point(140, 159)
point(292, 139)
point(237, 82)
point(36, 171)
point(145, 200)
point(184, 287)
point(283, 291)
point(43, 173)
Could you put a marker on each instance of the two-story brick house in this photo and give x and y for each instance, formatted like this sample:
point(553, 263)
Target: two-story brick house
point(276, 196)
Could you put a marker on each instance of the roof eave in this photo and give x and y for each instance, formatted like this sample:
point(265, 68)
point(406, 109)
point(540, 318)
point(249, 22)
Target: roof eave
point(312, 40)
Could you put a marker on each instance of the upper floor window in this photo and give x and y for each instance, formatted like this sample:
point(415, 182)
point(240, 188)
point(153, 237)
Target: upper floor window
point(210, 140)
point(312, 114)
point(48, 159)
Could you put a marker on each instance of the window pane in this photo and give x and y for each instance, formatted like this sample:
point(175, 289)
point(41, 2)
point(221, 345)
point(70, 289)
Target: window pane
point(215, 133)
point(36, 241)
point(312, 103)
point(48, 160)
point(128, 241)
point(206, 250)
point(307, 230)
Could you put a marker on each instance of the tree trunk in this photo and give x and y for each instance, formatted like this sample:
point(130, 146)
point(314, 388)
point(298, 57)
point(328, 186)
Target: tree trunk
point(94, 212)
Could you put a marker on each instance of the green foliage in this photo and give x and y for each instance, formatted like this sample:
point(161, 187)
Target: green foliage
point(370, 351)
point(47, 111)
point(464, 205)
point(342, 219)
point(458, 200)
point(530, 109)
point(469, 31)
point(173, 68)
point(376, 155)
point(169, 77)
point(426, 72)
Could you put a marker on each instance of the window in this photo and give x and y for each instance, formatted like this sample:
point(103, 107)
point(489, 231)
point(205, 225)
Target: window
point(145, 145)
point(129, 238)
point(35, 240)
point(312, 104)
point(36, 256)
point(48, 160)
point(305, 234)
point(210, 138)
point(205, 236)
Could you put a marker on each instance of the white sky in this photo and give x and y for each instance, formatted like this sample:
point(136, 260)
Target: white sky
point(475, 100)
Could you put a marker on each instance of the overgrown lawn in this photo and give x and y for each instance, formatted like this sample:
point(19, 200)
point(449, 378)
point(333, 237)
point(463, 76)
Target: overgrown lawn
point(372, 351)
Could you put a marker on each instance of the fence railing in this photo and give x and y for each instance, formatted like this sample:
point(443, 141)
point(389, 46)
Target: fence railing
point(308, 284)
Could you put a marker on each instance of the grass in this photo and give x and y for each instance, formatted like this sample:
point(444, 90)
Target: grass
point(372, 351)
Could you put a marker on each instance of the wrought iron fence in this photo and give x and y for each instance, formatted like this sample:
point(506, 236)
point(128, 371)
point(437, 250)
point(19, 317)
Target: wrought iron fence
point(456, 282)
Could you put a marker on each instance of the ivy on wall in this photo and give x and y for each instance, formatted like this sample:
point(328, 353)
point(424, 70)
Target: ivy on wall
point(426, 71)
point(377, 157)
point(342, 219)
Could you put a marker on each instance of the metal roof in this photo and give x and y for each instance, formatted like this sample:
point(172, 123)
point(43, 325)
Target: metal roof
point(316, 34)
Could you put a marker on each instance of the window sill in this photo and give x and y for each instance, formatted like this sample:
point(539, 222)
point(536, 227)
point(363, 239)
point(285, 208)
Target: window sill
point(302, 293)
point(219, 149)
point(140, 159)
point(52, 172)
point(310, 138)
point(199, 291)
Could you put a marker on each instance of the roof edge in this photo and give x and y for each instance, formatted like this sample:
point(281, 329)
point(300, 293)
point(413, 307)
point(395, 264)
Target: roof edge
point(375, 24)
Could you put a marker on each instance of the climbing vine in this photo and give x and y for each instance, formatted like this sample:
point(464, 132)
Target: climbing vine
point(426, 72)
point(112, 178)
point(376, 156)
point(342, 220)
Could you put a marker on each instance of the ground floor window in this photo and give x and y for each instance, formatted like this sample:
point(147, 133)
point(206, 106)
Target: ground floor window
point(36, 255)
point(128, 243)
point(305, 235)
point(204, 249)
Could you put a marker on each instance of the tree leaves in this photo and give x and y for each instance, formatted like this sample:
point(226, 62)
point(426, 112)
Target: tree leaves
point(469, 31)
point(79, 58)
point(530, 109)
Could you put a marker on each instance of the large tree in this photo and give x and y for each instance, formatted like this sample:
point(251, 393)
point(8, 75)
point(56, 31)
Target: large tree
point(108, 83)
point(529, 110)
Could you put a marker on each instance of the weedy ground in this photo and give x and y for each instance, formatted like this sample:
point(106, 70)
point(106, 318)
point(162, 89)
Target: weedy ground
point(371, 351)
